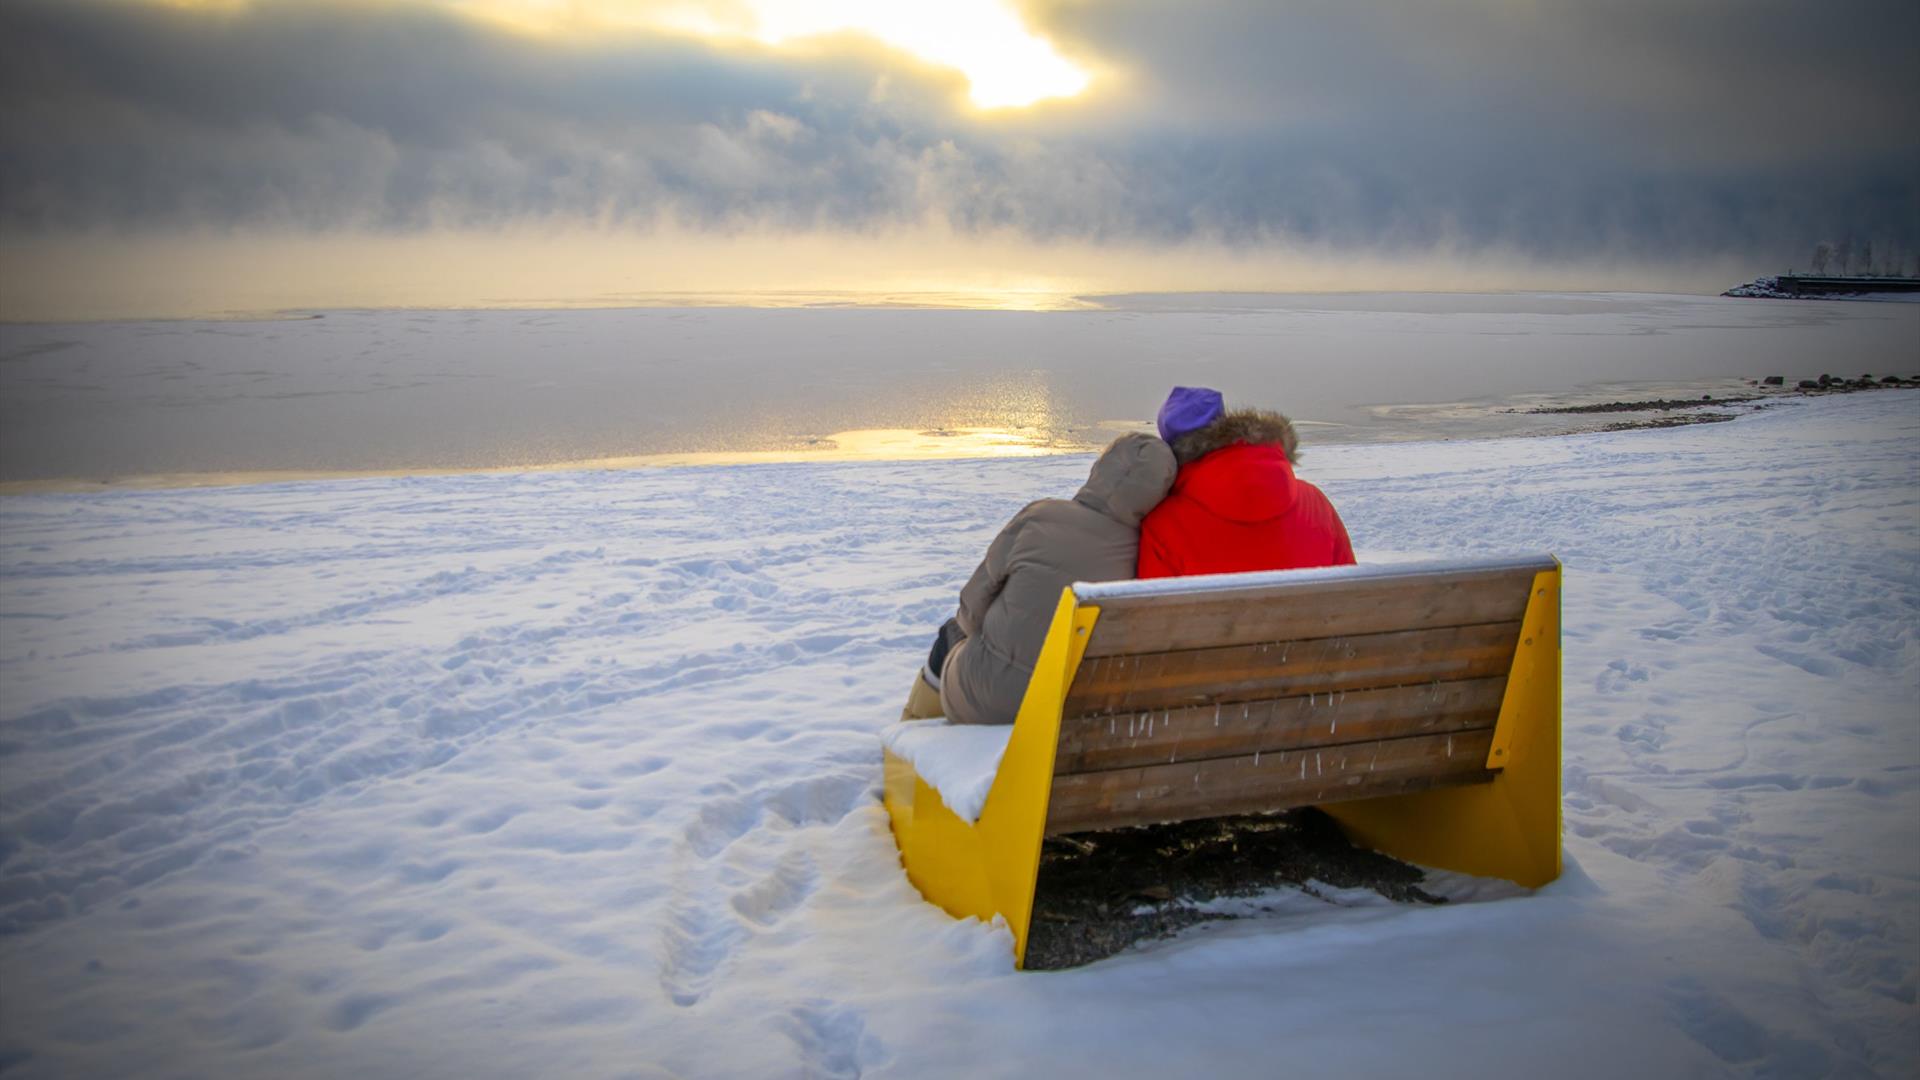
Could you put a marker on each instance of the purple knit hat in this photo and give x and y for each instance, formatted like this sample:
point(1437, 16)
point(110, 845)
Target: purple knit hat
point(1189, 408)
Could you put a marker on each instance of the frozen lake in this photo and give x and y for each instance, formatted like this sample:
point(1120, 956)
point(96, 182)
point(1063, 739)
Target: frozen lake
point(404, 390)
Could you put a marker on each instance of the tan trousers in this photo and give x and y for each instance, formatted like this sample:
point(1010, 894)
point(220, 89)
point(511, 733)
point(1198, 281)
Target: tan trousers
point(923, 702)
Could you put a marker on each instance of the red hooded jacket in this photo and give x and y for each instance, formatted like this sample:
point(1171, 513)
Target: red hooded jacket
point(1241, 508)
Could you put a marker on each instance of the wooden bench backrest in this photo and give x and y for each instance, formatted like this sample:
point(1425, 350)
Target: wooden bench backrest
point(1243, 693)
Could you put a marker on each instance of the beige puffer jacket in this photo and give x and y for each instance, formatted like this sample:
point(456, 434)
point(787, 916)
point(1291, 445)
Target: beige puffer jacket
point(1007, 605)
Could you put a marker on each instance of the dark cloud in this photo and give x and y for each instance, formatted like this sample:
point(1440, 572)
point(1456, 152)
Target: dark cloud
point(1663, 83)
point(1551, 128)
point(1554, 126)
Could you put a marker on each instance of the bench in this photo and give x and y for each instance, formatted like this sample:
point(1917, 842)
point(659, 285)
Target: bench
point(1419, 703)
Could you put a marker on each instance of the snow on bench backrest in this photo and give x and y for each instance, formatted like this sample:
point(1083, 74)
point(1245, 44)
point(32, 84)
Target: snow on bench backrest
point(1235, 693)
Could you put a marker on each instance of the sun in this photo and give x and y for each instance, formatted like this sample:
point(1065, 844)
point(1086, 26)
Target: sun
point(1005, 64)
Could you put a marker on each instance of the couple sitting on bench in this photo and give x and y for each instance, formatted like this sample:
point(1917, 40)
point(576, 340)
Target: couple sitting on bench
point(1214, 494)
point(1417, 702)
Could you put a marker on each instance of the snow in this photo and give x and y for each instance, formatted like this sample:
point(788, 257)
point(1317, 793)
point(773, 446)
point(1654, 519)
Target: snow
point(575, 774)
point(1386, 566)
point(958, 761)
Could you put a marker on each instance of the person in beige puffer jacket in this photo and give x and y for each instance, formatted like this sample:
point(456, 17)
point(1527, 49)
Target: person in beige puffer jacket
point(984, 656)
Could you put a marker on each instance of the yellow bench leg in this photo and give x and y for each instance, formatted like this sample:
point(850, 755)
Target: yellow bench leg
point(989, 867)
point(1509, 828)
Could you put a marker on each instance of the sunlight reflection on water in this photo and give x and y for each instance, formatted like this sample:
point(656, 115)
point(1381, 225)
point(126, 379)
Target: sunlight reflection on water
point(873, 444)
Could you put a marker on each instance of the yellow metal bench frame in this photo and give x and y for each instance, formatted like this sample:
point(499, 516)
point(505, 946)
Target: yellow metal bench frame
point(1508, 828)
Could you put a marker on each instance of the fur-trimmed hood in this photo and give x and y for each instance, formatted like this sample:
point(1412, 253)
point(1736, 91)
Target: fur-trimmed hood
point(1254, 427)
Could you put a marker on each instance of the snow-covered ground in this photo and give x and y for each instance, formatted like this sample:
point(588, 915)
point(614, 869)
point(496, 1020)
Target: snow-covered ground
point(575, 774)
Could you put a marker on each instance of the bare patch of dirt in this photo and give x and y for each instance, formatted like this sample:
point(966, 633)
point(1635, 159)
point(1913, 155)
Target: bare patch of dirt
point(1101, 892)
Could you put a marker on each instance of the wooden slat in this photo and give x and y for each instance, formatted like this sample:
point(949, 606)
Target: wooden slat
point(1308, 610)
point(1191, 677)
point(1257, 783)
point(1113, 741)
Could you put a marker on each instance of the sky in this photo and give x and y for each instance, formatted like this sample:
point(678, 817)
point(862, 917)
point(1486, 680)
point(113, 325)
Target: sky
point(180, 155)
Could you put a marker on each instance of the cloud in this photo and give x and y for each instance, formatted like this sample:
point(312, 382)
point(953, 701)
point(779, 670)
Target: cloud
point(1663, 82)
point(1552, 129)
point(1554, 126)
point(392, 117)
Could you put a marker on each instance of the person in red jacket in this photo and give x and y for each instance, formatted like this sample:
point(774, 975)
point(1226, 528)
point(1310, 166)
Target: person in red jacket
point(1236, 504)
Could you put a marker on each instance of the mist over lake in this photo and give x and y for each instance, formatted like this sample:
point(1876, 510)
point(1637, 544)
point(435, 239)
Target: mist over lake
point(469, 389)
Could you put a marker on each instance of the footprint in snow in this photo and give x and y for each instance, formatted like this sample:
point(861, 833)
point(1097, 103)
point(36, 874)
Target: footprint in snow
point(490, 820)
point(822, 800)
point(641, 767)
point(697, 941)
point(356, 1009)
point(832, 1039)
point(769, 901)
point(1619, 676)
point(720, 822)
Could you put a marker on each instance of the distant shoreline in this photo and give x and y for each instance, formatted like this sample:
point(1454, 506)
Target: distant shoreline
point(1790, 286)
point(1010, 301)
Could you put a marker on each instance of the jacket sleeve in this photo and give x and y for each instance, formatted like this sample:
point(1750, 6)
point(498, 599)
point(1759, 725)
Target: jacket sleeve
point(990, 576)
point(1342, 544)
point(1155, 562)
